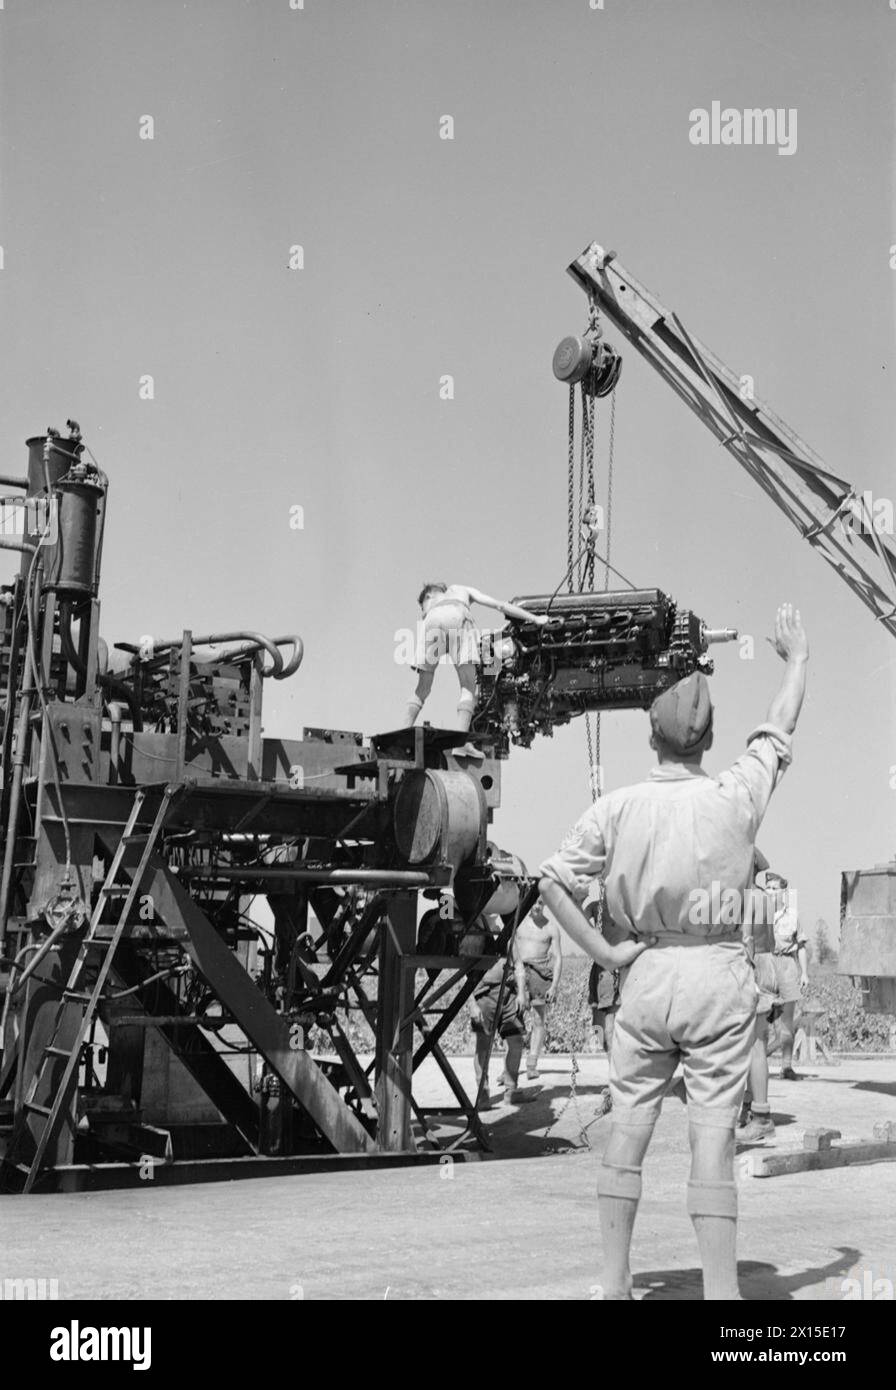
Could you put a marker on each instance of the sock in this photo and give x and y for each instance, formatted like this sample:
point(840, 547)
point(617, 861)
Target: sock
point(712, 1207)
point(763, 1111)
point(415, 705)
point(465, 706)
point(618, 1195)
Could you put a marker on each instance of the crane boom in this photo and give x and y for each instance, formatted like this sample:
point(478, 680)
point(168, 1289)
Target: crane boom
point(827, 510)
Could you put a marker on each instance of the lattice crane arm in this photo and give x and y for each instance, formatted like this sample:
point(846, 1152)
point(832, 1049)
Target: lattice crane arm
point(826, 510)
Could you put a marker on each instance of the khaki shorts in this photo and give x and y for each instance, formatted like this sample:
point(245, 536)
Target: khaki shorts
point(693, 1004)
point(787, 977)
point(447, 631)
point(538, 982)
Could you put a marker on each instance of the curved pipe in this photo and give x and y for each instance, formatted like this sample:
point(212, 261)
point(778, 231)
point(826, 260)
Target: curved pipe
point(254, 642)
point(108, 683)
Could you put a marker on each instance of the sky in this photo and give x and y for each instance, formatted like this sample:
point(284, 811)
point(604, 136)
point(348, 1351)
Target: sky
point(274, 387)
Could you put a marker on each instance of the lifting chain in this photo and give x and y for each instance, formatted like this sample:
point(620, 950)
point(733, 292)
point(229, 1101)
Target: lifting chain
point(578, 510)
point(570, 487)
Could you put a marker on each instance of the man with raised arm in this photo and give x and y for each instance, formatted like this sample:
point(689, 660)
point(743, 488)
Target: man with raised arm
point(665, 849)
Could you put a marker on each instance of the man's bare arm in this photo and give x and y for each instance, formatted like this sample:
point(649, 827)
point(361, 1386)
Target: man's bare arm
point(803, 959)
point(519, 971)
point(576, 925)
point(792, 646)
point(557, 955)
point(510, 610)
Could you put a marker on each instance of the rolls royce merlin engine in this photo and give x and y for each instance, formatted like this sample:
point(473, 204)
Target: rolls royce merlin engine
point(597, 651)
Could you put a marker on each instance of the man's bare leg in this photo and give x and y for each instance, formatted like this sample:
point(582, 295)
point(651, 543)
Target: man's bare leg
point(618, 1195)
point(787, 1030)
point(513, 1092)
point(466, 703)
point(712, 1204)
point(536, 1041)
point(480, 1067)
point(757, 1124)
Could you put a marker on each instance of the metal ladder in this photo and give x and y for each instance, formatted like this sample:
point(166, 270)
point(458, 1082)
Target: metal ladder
point(54, 1112)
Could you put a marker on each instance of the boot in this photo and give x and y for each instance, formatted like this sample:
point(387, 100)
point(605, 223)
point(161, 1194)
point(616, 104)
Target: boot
point(757, 1128)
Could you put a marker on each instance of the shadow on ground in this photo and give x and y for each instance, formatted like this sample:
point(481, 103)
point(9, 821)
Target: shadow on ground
point(758, 1281)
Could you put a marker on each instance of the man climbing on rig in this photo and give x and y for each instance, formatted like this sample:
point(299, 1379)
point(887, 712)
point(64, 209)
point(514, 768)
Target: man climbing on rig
point(448, 629)
point(662, 847)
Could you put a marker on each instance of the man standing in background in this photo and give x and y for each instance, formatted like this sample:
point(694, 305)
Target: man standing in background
point(538, 962)
point(757, 1124)
point(790, 962)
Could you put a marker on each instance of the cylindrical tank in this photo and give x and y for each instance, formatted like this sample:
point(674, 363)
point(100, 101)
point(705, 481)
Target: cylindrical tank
point(60, 457)
point(438, 815)
point(70, 564)
point(868, 934)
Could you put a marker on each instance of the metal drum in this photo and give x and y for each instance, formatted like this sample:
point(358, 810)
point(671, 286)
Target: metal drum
point(71, 562)
point(438, 816)
point(63, 454)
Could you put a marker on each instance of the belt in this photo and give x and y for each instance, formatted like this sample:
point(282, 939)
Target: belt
point(678, 938)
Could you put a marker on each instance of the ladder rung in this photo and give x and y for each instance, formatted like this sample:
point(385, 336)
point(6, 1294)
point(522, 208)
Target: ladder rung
point(77, 995)
point(39, 1109)
point(123, 888)
point(140, 839)
point(51, 1050)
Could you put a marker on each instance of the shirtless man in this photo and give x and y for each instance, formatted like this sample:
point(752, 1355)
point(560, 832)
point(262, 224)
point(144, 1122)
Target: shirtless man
point(448, 627)
point(538, 963)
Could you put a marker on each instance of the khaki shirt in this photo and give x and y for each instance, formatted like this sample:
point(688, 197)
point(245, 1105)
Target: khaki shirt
point(678, 834)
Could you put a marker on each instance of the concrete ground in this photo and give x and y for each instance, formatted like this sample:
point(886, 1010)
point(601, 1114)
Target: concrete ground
point(522, 1224)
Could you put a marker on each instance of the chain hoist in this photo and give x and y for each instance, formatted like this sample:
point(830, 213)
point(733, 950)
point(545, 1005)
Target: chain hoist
point(588, 362)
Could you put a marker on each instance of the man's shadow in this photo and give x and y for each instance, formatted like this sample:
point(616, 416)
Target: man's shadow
point(759, 1282)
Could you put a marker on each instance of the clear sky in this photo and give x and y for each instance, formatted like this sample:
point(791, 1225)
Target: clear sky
point(319, 127)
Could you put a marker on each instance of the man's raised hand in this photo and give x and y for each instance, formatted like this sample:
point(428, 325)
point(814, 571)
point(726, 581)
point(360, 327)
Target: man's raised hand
point(791, 642)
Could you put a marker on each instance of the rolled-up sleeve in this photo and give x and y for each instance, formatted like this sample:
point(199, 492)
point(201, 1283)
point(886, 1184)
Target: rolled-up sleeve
point(758, 771)
point(580, 859)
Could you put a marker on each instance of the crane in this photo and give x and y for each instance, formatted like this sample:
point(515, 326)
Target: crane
point(845, 526)
point(850, 530)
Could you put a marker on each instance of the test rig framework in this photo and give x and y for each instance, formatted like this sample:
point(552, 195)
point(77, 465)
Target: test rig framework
point(152, 1026)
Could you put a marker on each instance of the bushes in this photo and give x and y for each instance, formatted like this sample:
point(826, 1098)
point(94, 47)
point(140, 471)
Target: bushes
point(844, 1027)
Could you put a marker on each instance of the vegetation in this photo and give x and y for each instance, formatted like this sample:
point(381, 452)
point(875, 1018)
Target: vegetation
point(843, 1027)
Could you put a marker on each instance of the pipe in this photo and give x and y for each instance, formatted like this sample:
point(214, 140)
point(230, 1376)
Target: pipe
point(388, 878)
point(125, 694)
point(40, 952)
point(116, 712)
point(8, 543)
point(18, 773)
point(254, 641)
point(13, 482)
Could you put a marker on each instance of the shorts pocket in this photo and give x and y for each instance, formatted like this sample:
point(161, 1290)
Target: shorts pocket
point(745, 980)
